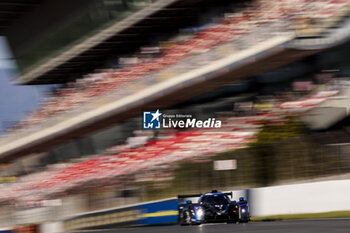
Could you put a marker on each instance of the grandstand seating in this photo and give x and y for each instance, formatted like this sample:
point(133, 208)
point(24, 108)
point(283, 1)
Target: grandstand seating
point(236, 132)
point(235, 26)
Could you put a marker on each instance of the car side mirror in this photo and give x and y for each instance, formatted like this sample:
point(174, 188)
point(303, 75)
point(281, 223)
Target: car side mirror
point(241, 199)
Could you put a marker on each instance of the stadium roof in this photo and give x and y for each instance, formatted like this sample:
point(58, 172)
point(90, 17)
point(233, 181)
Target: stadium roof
point(118, 38)
point(11, 10)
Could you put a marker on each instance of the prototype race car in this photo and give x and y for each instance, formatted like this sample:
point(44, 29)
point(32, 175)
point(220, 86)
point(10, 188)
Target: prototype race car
point(212, 207)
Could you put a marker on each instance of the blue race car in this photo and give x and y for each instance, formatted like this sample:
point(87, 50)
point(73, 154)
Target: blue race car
point(212, 207)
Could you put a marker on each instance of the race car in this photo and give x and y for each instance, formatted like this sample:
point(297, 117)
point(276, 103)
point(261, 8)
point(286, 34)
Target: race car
point(212, 207)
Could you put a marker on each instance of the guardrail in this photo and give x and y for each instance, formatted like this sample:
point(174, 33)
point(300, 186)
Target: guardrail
point(153, 213)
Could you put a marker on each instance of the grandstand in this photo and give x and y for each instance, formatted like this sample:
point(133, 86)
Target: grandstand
point(271, 49)
point(193, 57)
point(236, 133)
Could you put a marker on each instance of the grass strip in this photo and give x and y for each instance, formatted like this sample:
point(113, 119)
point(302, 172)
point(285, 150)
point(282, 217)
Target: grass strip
point(334, 214)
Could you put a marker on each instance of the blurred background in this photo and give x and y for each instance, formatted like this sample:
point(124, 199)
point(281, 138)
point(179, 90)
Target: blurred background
point(76, 77)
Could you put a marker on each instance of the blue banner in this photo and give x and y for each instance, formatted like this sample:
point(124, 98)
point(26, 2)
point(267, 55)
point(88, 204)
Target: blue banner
point(156, 213)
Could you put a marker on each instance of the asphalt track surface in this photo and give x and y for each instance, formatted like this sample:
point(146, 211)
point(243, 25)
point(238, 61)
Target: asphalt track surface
point(300, 226)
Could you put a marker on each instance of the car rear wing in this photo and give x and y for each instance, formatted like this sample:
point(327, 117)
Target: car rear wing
point(229, 194)
point(200, 194)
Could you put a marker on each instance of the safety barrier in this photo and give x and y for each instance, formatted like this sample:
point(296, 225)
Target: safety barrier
point(323, 196)
point(153, 213)
point(6, 231)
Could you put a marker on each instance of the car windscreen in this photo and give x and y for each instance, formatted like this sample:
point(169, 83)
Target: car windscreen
point(216, 199)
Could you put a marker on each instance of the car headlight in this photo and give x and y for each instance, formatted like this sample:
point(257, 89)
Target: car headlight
point(200, 213)
point(243, 210)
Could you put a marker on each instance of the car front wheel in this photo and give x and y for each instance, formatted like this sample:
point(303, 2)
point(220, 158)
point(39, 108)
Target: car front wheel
point(185, 218)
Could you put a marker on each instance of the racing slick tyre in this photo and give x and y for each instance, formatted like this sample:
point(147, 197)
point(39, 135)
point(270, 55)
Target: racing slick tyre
point(185, 218)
